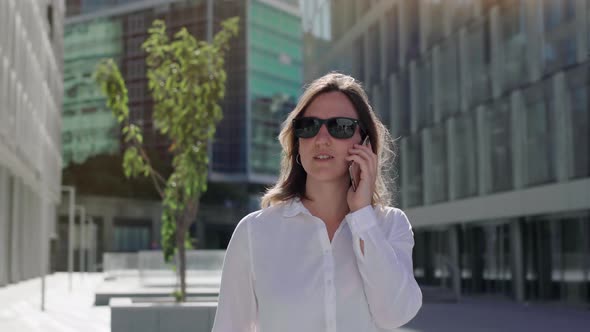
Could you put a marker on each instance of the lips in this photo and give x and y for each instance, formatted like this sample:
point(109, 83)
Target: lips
point(323, 156)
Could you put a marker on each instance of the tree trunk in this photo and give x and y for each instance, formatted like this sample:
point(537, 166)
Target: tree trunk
point(180, 235)
point(184, 223)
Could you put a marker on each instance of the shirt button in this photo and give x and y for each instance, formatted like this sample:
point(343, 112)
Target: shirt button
point(329, 281)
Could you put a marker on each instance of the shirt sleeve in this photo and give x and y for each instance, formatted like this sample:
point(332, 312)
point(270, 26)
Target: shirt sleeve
point(386, 266)
point(237, 305)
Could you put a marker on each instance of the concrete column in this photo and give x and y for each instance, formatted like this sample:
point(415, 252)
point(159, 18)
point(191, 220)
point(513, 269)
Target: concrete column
point(427, 165)
point(4, 210)
point(14, 231)
point(455, 260)
point(109, 233)
point(157, 226)
point(497, 46)
point(477, 8)
point(436, 83)
point(582, 29)
point(45, 218)
point(90, 244)
point(378, 103)
point(534, 37)
point(27, 239)
point(405, 165)
point(447, 13)
point(403, 33)
point(518, 133)
point(383, 48)
point(414, 96)
point(483, 152)
point(367, 51)
point(517, 260)
point(22, 251)
point(71, 219)
point(82, 218)
point(40, 218)
point(562, 113)
point(465, 71)
point(451, 157)
point(394, 106)
point(424, 25)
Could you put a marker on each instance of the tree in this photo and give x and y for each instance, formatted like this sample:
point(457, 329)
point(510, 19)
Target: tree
point(187, 80)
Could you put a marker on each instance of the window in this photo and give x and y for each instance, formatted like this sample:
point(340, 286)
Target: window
point(413, 155)
point(132, 238)
point(134, 45)
point(560, 45)
point(449, 78)
point(556, 12)
point(465, 158)
point(500, 138)
point(375, 52)
point(438, 165)
point(512, 23)
point(435, 19)
point(135, 69)
point(578, 94)
point(424, 94)
point(392, 41)
point(539, 146)
point(478, 58)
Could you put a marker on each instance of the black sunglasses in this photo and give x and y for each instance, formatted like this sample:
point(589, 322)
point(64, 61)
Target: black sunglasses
point(339, 127)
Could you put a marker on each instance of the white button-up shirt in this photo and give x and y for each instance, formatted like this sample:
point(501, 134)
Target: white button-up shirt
point(281, 273)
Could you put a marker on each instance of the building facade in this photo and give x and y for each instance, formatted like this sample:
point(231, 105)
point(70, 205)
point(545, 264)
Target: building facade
point(490, 102)
point(264, 70)
point(31, 89)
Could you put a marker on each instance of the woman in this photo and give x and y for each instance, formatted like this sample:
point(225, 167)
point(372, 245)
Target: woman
point(321, 256)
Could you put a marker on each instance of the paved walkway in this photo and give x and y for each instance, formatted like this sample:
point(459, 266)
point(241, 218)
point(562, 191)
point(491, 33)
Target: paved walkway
point(74, 312)
point(498, 315)
point(20, 306)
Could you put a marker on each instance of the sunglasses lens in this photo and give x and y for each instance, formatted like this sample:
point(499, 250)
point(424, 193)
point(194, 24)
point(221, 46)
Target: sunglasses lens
point(341, 127)
point(306, 127)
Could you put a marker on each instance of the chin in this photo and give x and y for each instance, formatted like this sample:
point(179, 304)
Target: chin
point(328, 175)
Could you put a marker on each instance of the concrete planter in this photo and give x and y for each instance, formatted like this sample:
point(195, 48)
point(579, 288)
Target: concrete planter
point(128, 315)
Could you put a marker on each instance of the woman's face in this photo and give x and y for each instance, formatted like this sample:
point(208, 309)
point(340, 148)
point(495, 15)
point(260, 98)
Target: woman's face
point(335, 167)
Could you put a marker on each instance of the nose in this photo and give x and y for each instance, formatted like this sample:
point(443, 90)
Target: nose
point(323, 135)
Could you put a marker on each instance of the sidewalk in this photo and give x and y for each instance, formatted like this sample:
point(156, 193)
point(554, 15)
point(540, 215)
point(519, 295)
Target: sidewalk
point(74, 312)
point(20, 306)
point(484, 314)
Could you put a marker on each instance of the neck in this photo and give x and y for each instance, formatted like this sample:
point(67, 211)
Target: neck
point(327, 200)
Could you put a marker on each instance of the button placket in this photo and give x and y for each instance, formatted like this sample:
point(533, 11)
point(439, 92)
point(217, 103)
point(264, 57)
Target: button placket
point(328, 266)
point(330, 291)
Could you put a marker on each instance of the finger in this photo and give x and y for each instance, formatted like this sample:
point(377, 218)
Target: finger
point(363, 164)
point(366, 154)
point(365, 151)
point(367, 148)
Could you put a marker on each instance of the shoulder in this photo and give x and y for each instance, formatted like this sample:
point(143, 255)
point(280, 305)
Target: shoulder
point(394, 220)
point(391, 214)
point(262, 216)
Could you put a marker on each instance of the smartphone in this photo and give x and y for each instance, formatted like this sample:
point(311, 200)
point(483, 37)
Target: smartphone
point(354, 170)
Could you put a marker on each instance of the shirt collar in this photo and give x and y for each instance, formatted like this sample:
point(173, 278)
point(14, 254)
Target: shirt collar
point(293, 207)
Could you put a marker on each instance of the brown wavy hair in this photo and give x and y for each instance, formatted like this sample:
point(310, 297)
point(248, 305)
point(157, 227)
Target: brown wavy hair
point(292, 178)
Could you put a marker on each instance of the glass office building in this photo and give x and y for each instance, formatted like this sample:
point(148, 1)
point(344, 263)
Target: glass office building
point(489, 100)
point(89, 127)
point(264, 70)
point(31, 89)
